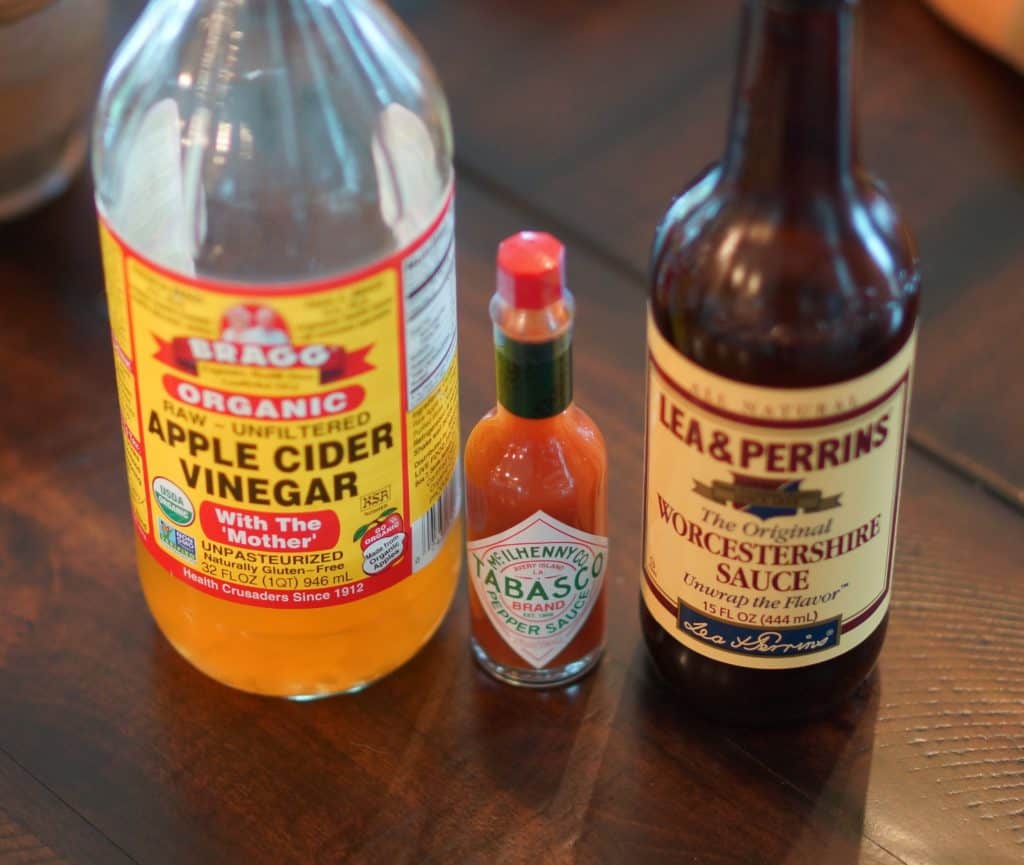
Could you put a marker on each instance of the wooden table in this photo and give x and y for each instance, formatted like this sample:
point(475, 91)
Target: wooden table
point(583, 118)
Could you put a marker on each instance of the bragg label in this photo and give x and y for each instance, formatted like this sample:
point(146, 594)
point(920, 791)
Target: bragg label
point(290, 446)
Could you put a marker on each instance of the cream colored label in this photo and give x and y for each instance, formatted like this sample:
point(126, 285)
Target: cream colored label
point(770, 514)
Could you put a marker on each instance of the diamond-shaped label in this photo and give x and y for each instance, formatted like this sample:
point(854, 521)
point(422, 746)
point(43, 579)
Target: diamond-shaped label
point(538, 583)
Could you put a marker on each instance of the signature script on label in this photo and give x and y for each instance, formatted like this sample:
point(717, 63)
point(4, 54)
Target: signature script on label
point(765, 643)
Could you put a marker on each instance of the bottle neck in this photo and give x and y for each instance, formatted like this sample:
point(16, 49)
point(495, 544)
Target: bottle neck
point(534, 379)
point(793, 124)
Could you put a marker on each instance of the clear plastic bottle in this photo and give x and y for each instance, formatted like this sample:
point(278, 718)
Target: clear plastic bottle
point(274, 182)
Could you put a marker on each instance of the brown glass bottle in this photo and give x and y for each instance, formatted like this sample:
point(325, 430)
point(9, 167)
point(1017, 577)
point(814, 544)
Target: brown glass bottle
point(787, 267)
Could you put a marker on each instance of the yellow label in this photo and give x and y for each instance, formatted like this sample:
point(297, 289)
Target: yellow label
point(290, 445)
point(770, 514)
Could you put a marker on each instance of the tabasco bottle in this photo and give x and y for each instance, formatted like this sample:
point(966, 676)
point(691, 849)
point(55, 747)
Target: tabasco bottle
point(536, 484)
point(781, 335)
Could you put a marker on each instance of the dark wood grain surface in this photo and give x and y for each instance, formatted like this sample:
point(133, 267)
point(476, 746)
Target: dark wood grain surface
point(113, 750)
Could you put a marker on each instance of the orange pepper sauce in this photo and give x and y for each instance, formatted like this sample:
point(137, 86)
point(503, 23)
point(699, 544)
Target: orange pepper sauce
point(518, 465)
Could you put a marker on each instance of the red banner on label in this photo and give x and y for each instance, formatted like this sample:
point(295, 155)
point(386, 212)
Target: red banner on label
point(132, 438)
point(334, 362)
point(270, 532)
point(393, 525)
point(271, 408)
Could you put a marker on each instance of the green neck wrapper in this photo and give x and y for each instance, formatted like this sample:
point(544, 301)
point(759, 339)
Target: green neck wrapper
point(534, 378)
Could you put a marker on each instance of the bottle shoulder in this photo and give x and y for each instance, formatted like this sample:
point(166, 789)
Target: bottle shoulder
point(571, 440)
point(255, 142)
point(587, 431)
point(784, 292)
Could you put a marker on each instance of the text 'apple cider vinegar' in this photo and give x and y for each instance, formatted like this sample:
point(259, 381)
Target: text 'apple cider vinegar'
point(274, 188)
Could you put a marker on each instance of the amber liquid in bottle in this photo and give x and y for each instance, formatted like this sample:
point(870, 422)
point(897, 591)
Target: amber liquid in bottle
point(784, 266)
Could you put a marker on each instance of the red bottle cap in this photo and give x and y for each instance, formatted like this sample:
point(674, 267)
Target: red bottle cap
point(531, 269)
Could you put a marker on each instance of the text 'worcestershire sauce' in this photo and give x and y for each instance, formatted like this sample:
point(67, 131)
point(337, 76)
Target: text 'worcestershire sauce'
point(781, 336)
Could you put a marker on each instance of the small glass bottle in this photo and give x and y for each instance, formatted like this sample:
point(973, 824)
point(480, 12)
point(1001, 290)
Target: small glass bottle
point(536, 484)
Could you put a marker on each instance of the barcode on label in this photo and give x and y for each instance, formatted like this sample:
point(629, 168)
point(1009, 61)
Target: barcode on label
point(430, 530)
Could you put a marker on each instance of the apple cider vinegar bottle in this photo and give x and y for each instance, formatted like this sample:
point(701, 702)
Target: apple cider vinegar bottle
point(274, 187)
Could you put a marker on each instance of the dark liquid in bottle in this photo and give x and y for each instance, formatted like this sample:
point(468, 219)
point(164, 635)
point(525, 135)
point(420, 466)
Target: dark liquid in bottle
point(785, 266)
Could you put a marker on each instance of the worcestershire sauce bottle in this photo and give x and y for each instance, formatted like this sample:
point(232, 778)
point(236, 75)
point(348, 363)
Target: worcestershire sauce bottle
point(781, 335)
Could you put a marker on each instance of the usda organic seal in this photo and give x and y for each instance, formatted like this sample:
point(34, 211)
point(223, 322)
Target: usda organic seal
point(173, 501)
